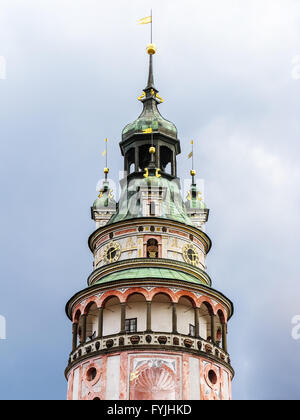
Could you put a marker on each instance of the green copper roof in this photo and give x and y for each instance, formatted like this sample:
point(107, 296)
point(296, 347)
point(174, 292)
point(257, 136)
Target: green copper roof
point(195, 200)
point(142, 273)
point(150, 117)
point(105, 198)
point(172, 205)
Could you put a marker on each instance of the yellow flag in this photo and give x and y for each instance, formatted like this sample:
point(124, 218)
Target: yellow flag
point(190, 155)
point(104, 153)
point(147, 130)
point(145, 20)
point(192, 141)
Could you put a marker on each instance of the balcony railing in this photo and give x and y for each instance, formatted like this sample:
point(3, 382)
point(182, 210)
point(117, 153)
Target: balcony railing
point(151, 340)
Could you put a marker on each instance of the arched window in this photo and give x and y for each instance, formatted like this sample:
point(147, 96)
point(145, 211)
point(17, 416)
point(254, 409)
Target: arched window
point(205, 313)
point(136, 313)
point(185, 317)
point(152, 248)
point(161, 313)
point(111, 316)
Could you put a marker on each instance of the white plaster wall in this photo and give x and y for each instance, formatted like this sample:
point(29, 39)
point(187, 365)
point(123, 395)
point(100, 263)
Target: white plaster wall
point(112, 320)
point(132, 247)
point(161, 316)
point(113, 378)
point(185, 316)
point(194, 379)
point(138, 310)
point(75, 384)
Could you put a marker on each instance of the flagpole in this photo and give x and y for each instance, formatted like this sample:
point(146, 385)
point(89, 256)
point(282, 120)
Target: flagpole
point(105, 171)
point(151, 27)
point(193, 155)
point(106, 155)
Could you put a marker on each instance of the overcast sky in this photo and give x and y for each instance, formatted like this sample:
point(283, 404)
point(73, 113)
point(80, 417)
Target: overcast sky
point(229, 72)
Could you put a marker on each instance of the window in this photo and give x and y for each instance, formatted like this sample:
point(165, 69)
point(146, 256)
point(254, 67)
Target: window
point(152, 248)
point(152, 208)
point(192, 330)
point(131, 325)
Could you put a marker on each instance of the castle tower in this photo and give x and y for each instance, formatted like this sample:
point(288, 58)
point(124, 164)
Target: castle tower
point(149, 325)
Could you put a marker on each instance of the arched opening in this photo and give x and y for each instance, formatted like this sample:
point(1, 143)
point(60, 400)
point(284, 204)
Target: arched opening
point(75, 330)
point(152, 248)
point(144, 156)
point(80, 329)
point(186, 317)
point(111, 316)
point(130, 161)
point(92, 322)
point(136, 313)
point(220, 324)
point(205, 313)
point(166, 156)
point(161, 313)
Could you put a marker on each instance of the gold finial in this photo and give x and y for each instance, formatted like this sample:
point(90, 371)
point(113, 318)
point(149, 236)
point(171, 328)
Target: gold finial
point(106, 170)
point(152, 150)
point(151, 49)
point(193, 172)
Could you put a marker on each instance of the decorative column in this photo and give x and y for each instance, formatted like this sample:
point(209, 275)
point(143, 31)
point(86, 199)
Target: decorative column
point(224, 337)
point(157, 155)
point(173, 164)
point(100, 322)
point(83, 337)
point(74, 334)
point(174, 318)
point(148, 329)
point(197, 330)
point(123, 318)
point(213, 328)
point(137, 159)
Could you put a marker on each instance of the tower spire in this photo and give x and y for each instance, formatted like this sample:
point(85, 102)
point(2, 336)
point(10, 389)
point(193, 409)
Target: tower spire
point(151, 50)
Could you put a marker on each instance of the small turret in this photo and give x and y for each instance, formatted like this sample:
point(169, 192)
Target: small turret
point(195, 206)
point(104, 206)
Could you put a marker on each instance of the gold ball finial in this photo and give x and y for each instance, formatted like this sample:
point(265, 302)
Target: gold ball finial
point(193, 172)
point(106, 170)
point(151, 49)
point(152, 150)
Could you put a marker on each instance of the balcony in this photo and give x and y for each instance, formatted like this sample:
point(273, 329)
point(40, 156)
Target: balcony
point(149, 341)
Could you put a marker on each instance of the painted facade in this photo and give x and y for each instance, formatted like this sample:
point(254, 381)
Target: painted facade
point(149, 325)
